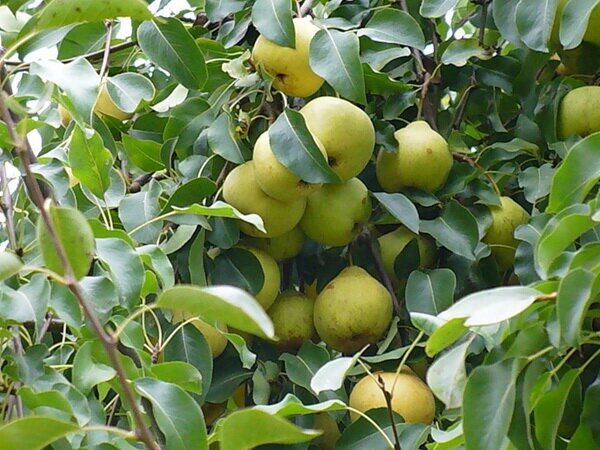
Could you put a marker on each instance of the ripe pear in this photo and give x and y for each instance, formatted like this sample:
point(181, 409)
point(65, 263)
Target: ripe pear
point(423, 160)
point(241, 191)
point(281, 247)
point(290, 66)
point(345, 131)
point(500, 235)
point(579, 112)
point(272, 277)
point(216, 341)
point(105, 105)
point(292, 316)
point(353, 310)
point(276, 180)
point(392, 244)
point(411, 397)
point(330, 429)
point(336, 213)
point(65, 116)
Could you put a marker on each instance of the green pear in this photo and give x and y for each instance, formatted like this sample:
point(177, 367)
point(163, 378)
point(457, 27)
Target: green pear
point(216, 341)
point(579, 112)
point(105, 105)
point(75, 236)
point(353, 310)
point(241, 191)
point(331, 432)
point(392, 244)
point(281, 247)
point(292, 316)
point(345, 131)
point(423, 160)
point(272, 277)
point(411, 397)
point(336, 213)
point(290, 67)
point(276, 180)
point(500, 235)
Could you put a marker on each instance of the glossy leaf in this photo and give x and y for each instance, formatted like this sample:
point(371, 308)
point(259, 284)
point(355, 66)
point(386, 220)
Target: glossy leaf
point(33, 432)
point(273, 19)
point(575, 20)
point(128, 90)
point(399, 206)
point(430, 292)
point(90, 161)
point(445, 336)
point(576, 293)
point(394, 26)
point(436, 8)
point(222, 140)
point(460, 51)
point(143, 154)
point(10, 265)
point(331, 375)
point(535, 21)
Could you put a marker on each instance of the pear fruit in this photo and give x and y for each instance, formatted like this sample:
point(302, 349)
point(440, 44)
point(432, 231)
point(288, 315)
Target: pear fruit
point(392, 244)
point(331, 432)
point(105, 105)
point(423, 160)
point(292, 316)
point(411, 398)
point(579, 112)
point(353, 310)
point(290, 66)
point(276, 180)
point(500, 235)
point(345, 131)
point(216, 341)
point(272, 277)
point(241, 191)
point(281, 247)
point(336, 213)
point(65, 116)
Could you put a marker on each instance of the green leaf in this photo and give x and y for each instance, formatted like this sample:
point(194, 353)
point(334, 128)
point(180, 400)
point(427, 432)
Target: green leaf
point(489, 400)
point(75, 237)
point(90, 161)
point(577, 175)
point(535, 182)
point(334, 55)
point(129, 89)
point(15, 305)
point(137, 209)
point(331, 375)
point(190, 193)
point(145, 155)
point(460, 51)
point(177, 415)
point(576, 293)
point(170, 46)
point(295, 148)
point(394, 26)
point(550, 408)
point(491, 306)
point(575, 20)
point(238, 267)
point(292, 406)
point(535, 21)
point(33, 432)
point(217, 10)
point(222, 141)
point(456, 229)
point(222, 209)
point(226, 304)
point(181, 373)
point(399, 206)
point(430, 292)
point(436, 8)
point(303, 366)
point(187, 120)
point(87, 372)
point(249, 428)
point(505, 19)
point(273, 19)
point(10, 265)
point(64, 12)
point(445, 336)
point(560, 232)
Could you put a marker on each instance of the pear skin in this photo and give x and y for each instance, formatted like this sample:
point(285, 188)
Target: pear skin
point(281, 247)
point(272, 277)
point(106, 106)
point(292, 316)
point(216, 341)
point(579, 112)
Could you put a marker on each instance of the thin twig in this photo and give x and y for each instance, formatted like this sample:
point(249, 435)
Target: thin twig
point(461, 107)
point(106, 55)
point(108, 341)
point(8, 210)
point(484, 13)
point(388, 402)
point(137, 183)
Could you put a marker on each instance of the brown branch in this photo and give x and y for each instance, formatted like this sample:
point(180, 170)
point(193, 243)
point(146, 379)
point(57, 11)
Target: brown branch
point(108, 341)
point(388, 402)
point(462, 104)
point(106, 54)
point(8, 210)
point(137, 183)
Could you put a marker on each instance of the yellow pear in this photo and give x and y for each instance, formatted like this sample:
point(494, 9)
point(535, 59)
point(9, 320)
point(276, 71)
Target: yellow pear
point(423, 160)
point(579, 112)
point(216, 341)
point(411, 398)
point(272, 277)
point(290, 67)
point(105, 105)
point(65, 116)
point(345, 131)
point(292, 316)
point(336, 213)
point(353, 310)
point(330, 429)
point(276, 180)
point(500, 235)
point(241, 191)
point(392, 244)
point(281, 247)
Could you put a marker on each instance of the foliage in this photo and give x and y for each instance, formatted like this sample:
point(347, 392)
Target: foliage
point(89, 354)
